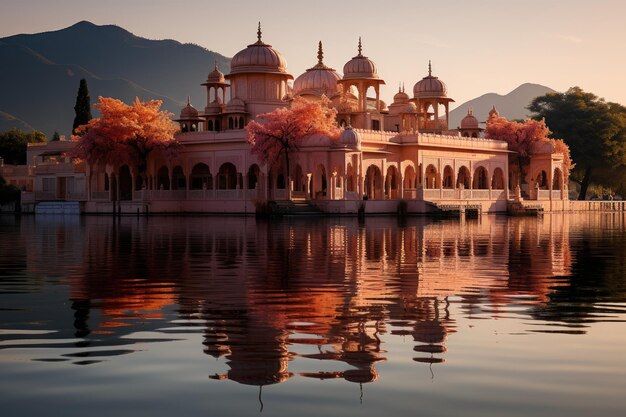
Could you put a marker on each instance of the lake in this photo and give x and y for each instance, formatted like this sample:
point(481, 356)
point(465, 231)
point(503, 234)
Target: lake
point(230, 316)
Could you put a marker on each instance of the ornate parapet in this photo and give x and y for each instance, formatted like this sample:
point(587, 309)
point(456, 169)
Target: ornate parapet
point(461, 142)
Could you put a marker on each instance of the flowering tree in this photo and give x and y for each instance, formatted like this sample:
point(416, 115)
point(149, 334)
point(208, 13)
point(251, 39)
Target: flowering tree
point(126, 134)
point(526, 139)
point(282, 131)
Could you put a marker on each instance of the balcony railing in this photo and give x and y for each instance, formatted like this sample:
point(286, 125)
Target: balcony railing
point(458, 194)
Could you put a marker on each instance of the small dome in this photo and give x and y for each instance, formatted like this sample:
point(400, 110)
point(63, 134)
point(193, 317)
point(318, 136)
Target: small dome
point(400, 97)
point(350, 138)
point(493, 112)
point(236, 105)
point(317, 80)
point(360, 67)
point(189, 111)
point(258, 57)
point(430, 86)
point(469, 121)
point(216, 76)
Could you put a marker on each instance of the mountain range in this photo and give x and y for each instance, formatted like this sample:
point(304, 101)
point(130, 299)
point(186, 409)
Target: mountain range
point(40, 74)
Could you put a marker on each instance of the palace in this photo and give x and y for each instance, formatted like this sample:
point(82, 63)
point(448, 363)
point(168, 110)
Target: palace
point(386, 154)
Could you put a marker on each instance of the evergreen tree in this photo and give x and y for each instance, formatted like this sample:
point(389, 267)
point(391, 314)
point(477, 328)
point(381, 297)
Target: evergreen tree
point(83, 106)
point(56, 136)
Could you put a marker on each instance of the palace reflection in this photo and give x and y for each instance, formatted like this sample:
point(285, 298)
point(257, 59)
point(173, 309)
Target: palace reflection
point(323, 292)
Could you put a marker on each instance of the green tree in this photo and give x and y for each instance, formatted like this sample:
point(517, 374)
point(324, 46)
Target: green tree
point(56, 136)
point(594, 129)
point(83, 106)
point(14, 142)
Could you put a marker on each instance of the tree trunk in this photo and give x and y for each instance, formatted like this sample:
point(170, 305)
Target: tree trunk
point(585, 184)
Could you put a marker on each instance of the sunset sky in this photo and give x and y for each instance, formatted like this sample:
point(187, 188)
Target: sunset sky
point(476, 47)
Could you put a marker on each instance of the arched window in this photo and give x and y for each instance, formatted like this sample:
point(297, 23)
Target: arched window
point(373, 182)
point(409, 178)
point(448, 180)
point(178, 178)
point(227, 177)
point(350, 175)
point(280, 182)
point(241, 122)
point(431, 177)
point(480, 179)
point(542, 179)
point(201, 177)
point(463, 178)
point(210, 125)
point(184, 128)
point(125, 183)
point(556, 182)
point(497, 181)
point(163, 178)
point(217, 126)
point(391, 182)
point(253, 176)
point(230, 123)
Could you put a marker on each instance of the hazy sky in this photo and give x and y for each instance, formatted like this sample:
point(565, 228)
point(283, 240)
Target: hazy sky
point(476, 46)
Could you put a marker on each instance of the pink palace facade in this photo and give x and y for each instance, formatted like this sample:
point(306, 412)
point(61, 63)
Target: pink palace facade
point(387, 153)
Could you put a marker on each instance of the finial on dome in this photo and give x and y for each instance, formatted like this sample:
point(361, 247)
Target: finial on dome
point(215, 65)
point(258, 32)
point(403, 87)
point(189, 100)
point(320, 53)
point(430, 69)
point(360, 47)
point(399, 87)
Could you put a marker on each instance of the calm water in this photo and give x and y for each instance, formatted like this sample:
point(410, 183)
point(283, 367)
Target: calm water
point(232, 317)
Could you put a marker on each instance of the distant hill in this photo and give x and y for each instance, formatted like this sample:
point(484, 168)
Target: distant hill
point(512, 105)
point(40, 73)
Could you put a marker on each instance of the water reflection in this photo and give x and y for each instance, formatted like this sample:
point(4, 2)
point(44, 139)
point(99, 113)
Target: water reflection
point(313, 298)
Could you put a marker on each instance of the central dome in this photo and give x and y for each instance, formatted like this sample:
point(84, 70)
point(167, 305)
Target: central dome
point(360, 67)
point(258, 57)
point(317, 80)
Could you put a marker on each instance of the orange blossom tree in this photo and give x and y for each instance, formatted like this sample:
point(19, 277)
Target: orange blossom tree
point(525, 139)
point(126, 134)
point(280, 132)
